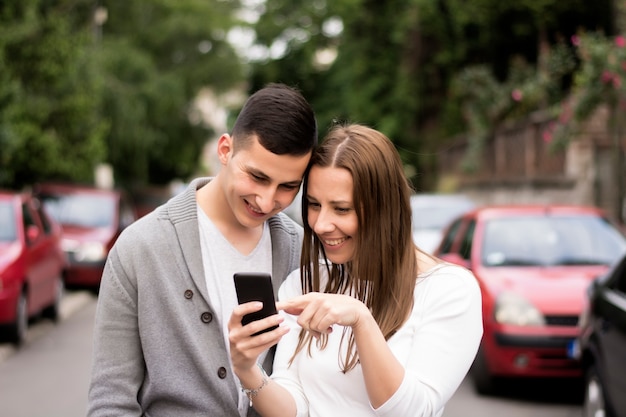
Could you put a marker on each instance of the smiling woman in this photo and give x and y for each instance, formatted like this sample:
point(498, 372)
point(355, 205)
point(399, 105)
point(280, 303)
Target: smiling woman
point(363, 300)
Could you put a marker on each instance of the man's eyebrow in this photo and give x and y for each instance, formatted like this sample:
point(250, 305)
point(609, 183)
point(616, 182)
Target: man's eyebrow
point(262, 175)
point(257, 173)
point(293, 183)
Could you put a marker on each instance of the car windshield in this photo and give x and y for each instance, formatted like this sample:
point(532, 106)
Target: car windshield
point(8, 230)
point(551, 240)
point(84, 210)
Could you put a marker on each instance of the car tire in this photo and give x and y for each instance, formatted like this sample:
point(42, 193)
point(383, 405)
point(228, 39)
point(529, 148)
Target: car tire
point(53, 311)
point(484, 382)
point(594, 403)
point(17, 330)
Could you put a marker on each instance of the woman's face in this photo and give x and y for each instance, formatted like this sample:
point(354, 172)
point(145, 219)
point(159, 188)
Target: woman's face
point(331, 212)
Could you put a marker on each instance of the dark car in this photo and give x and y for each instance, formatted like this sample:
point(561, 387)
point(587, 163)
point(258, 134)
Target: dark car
point(533, 264)
point(31, 264)
point(92, 219)
point(602, 344)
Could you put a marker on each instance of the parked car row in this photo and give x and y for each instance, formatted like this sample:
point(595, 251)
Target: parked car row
point(533, 265)
point(57, 236)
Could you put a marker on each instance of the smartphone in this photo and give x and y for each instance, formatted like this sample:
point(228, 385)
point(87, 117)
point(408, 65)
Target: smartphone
point(256, 286)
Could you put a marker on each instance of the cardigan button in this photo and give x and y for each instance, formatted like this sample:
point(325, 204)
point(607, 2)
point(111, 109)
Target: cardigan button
point(206, 317)
point(221, 373)
point(188, 294)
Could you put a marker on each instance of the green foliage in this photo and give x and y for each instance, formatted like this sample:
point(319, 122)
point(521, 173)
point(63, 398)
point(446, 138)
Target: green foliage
point(48, 94)
point(487, 102)
point(155, 57)
point(397, 60)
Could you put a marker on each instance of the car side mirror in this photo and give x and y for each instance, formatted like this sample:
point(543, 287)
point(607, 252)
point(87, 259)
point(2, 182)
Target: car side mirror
point(32, 233)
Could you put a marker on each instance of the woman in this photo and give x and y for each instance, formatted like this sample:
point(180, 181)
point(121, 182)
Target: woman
point(374, 326)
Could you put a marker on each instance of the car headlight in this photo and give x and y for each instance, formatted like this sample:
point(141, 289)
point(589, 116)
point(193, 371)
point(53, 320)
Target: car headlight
point(85, 252)
point(512, 308)
point(91, 252)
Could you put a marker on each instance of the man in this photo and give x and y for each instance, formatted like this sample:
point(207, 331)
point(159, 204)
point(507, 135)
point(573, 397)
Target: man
point(160, 338)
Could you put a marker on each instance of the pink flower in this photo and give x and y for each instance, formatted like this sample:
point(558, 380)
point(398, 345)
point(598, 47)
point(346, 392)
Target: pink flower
point(607, 76)
point(617, 82)
point(517, 94)
point(546, 136)
point(620, 41)
point(575, 40)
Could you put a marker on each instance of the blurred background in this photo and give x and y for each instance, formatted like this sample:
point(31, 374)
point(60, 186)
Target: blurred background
point(108, 108)
point(504, 101)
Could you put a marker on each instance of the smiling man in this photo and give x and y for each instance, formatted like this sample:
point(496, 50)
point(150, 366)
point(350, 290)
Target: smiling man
point(160, 340)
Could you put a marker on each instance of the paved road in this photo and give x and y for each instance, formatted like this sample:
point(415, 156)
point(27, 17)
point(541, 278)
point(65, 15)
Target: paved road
point(48, 377)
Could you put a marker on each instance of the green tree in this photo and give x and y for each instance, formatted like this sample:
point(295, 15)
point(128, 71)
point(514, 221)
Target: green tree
point(396, 60)
point(155, 57)
point(48, 93)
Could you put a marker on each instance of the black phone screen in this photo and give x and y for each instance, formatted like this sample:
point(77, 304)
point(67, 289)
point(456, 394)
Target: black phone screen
point(255, 286)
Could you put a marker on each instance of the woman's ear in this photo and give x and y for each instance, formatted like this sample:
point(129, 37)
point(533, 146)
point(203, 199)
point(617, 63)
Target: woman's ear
point(224, 148)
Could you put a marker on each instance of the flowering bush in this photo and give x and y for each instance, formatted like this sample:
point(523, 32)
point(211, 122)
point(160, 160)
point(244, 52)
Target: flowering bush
point(599, 80)
point(486, 102)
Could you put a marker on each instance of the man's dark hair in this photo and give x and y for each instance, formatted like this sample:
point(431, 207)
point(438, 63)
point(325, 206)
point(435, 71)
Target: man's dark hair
point(282, 119)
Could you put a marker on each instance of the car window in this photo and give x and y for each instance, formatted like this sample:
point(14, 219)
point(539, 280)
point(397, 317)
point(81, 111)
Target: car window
point(466, 244)
point(45, 222)
point(548, 239)
point(450, 236)
point(8, 229)
point(28, 219)
point(83, 210)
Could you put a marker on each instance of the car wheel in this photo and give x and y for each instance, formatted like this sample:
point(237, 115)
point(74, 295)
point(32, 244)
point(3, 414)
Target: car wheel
point(484, 381)
point(594, 404)
point(17, 331)
point(53, 311)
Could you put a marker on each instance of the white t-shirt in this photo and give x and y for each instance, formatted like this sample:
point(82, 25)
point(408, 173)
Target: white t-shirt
point(221, 260)
point(436, 346)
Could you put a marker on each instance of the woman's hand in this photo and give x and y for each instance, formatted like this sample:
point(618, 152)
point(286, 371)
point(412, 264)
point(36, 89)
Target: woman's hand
point(318, 312)
point(246, 348)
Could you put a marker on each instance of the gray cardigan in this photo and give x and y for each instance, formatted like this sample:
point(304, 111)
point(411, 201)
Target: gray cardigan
point(159, 349)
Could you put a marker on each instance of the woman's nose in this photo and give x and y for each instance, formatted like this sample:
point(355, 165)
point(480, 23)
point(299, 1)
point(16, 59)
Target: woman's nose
point(323, 222)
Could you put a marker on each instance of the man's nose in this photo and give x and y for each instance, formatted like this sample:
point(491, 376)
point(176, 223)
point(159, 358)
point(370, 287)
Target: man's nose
point(266, 199)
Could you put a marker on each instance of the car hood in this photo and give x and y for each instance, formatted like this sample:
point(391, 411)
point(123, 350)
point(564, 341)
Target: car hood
point(553, 290)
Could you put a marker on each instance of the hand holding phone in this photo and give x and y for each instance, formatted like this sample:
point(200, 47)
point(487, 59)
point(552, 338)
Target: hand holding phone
point(256, 286)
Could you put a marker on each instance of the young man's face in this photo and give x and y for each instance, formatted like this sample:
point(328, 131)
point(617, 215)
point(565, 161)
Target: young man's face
point(259, 183)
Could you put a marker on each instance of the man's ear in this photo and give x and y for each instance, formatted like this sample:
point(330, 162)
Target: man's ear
point(224, 148)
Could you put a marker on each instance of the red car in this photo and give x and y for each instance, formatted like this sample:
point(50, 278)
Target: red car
point(533, 265)
point(92, 219)
point(31, 264)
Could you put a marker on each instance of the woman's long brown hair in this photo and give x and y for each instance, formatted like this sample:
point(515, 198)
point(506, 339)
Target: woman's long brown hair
point(384, 269)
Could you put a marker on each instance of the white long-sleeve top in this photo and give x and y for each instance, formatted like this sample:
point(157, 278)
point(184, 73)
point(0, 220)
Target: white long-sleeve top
point(436, 346)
